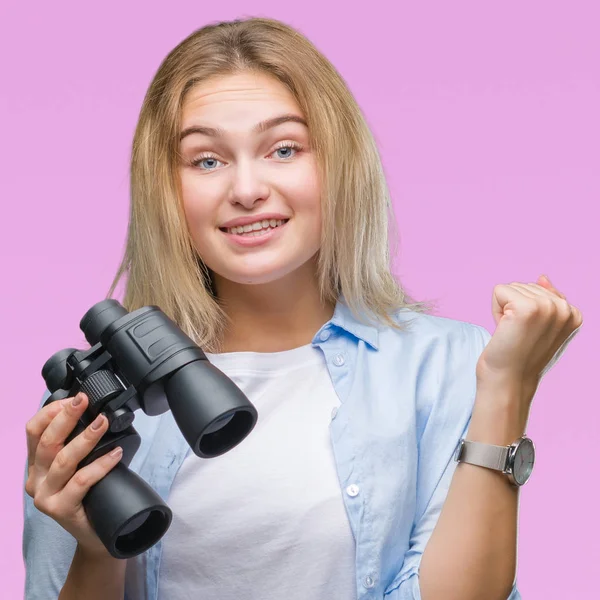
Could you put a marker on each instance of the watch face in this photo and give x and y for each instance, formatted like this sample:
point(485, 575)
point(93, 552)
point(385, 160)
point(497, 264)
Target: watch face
point(523, 463)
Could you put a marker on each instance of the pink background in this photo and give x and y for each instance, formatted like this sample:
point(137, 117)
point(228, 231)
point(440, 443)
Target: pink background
point(487, 116)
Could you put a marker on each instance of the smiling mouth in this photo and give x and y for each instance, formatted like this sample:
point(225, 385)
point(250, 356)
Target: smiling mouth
point(255, 229)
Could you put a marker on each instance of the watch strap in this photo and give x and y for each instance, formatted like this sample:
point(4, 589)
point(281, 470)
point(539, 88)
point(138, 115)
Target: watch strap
point(483, 455)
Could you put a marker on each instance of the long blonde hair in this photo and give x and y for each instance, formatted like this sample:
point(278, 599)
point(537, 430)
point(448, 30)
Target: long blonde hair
point(359, 229)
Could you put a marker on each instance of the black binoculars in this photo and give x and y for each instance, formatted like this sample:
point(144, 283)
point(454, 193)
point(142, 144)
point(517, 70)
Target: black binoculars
point(143, 360)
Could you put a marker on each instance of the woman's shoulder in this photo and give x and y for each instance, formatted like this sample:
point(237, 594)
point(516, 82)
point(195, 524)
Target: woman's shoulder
point(437, 355)
point(424, 329)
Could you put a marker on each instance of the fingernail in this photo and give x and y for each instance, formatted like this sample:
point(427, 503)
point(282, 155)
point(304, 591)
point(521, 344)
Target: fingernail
point(77, 400)
point(98, 422)
point(116, 452)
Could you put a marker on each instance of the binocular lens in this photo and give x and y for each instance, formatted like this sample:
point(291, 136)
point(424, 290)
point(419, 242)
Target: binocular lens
point(142, 532)
point(126, 513)
point(233, 428)
point(99, 317)
point(135, 523)
point(219, 424)
point(55, 371)
point(212, 415)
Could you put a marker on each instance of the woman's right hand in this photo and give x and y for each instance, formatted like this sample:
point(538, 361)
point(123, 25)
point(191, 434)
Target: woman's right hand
point(53, 482)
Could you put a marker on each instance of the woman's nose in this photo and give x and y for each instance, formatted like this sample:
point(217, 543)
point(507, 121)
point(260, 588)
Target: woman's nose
point(249, 185)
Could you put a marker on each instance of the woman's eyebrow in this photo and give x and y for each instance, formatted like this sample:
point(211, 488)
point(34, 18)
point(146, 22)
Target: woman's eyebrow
point(258, 128)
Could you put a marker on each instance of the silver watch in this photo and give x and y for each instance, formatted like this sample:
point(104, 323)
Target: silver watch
point(516, 460)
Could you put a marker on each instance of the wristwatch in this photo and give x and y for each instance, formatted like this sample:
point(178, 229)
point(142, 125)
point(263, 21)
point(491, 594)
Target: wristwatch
point(516, 460)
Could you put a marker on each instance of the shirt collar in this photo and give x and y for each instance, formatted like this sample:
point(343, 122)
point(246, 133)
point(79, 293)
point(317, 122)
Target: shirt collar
point(343, 318)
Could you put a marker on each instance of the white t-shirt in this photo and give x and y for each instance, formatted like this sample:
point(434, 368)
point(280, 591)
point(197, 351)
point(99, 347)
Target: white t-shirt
point(266, 520)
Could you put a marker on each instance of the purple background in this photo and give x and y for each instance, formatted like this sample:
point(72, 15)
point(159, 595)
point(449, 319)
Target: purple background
point(487, 116)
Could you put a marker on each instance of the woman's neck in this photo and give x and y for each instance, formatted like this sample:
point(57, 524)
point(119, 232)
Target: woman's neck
point(273, 317)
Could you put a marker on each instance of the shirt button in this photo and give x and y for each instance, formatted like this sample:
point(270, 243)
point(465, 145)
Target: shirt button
point(368, 582)
point(352, 490)
point(338, 360)
point(324, 336)
point(333, 412)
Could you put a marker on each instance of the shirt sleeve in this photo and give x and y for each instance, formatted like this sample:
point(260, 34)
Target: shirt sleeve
point(48, 549)
point(437, 466)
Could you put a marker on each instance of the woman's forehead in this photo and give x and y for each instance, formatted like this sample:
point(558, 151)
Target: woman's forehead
point(243, 87)
point(245, 106)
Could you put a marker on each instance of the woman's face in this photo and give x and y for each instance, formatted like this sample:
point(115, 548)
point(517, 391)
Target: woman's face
point(243, 176)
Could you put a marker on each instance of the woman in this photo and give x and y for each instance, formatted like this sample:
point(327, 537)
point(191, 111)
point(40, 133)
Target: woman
point(259, 223)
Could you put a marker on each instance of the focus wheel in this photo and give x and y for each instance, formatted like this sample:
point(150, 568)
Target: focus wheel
point(101, 387)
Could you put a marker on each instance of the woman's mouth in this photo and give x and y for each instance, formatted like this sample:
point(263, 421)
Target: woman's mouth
point(255, 234)
point(255, 229)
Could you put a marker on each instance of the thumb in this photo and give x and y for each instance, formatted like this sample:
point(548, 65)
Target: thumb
point(545, 282)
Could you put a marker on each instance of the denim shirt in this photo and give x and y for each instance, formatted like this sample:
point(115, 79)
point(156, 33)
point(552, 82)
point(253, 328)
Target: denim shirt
point(406, 399)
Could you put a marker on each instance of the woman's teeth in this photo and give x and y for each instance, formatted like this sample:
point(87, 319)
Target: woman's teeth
point(255, 229)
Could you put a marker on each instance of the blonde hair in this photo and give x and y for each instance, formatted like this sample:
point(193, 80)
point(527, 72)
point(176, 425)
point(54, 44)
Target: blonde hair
point(160, 259)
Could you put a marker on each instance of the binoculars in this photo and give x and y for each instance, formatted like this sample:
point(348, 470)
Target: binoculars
point(143, 360)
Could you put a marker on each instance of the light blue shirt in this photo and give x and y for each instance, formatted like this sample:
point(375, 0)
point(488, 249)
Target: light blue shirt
point(406, 401)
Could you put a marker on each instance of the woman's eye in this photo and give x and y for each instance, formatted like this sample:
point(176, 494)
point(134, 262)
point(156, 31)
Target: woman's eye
point(295, 148)
point(285, 148)
point(202, 161)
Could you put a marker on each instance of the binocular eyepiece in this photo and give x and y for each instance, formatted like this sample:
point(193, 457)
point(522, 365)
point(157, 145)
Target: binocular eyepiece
point(143, 360)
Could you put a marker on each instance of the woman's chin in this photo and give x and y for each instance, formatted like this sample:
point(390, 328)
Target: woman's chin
point(291, 271)
point(253, 276)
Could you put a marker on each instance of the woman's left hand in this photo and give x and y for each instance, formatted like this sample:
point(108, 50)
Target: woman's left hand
point(534, 325)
